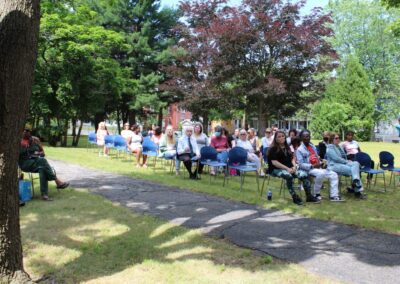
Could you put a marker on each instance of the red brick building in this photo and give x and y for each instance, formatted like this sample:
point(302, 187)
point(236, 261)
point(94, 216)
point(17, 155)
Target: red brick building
point(175, 115)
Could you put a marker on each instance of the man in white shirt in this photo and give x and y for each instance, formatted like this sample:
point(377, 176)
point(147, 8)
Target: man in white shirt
point(188, 151)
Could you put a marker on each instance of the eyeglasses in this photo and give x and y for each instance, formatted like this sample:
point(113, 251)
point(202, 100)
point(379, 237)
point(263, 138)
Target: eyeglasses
point(268, 132)
point(336, 138)
point(242, 133)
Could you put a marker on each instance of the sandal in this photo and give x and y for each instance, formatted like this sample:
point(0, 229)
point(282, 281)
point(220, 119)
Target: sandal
point(62, 186)
point(46, 198)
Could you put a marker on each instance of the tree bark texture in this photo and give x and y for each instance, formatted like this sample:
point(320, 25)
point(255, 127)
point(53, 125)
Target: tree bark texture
point(19, 29)
point(261, 117)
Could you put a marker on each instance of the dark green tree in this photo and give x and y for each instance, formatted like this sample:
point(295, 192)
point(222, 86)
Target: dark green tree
point(348, 103)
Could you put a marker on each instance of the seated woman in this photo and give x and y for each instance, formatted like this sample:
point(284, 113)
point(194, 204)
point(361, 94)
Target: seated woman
point(220, 143)
point(337, 162)
point(157, 135)
point(187, 150)
point(253, 138)
point(168, 147)
point(251, 157)
point(100, 134)
point(31, 159)
point(136, 146)
point(127, 133)
point(281, 163)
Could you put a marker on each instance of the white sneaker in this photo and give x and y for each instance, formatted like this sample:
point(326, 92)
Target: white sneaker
point(336, 199)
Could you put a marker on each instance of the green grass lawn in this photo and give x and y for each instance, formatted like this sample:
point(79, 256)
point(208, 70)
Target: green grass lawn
point(83, 238)
point(379, 212)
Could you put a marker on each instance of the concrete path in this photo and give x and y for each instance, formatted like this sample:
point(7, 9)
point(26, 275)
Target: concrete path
point(337, 251)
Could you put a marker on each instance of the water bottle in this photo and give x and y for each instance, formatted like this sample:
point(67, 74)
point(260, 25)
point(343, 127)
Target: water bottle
point(269, 195)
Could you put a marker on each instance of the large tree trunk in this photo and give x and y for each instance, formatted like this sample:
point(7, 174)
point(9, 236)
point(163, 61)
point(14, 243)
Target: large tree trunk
point(99, 117)
point(19, 29)
point(261, 116)
point(160, 116)
point(205, 124)
point(132, 117)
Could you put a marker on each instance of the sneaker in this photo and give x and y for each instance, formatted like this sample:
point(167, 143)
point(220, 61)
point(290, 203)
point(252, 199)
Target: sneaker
point(350, 190)
point(297, 200)
point(318, 196)
point(360, 195)
point(357, 183)
point(262, 174)
point(336, 199)
point(313, 199)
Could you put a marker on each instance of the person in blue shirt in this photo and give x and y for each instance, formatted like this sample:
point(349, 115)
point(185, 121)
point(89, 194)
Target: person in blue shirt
point(398, 126)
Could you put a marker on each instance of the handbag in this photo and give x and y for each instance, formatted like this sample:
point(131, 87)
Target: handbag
point(25, 190)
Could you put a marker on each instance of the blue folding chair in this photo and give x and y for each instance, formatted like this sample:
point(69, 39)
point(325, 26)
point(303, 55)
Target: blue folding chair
point(109, 141)
point(92, 140)
point(386, 163)
point(208, 157)
point(119, 144)
point(237, 159)
point(150, 149)
point(365, 166)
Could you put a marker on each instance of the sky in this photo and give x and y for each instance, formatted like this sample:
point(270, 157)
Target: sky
point(309, 5)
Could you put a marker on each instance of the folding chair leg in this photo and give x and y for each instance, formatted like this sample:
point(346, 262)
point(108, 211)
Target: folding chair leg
point(241, 180)
point(258, 184)
point(33, 187)
point(384, 182)
point(262, 187)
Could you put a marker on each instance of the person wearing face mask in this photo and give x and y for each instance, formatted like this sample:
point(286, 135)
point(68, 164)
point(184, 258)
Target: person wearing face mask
point(220, 143)
point(322, 145)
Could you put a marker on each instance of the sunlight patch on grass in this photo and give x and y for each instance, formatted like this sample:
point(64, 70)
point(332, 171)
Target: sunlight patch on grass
point(100, 231)
point(44, 253)
point(189, 252)
point(161, 230)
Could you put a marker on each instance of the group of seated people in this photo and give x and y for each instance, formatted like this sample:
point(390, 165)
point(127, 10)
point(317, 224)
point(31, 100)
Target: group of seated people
point(296, 157)
point(288, 157)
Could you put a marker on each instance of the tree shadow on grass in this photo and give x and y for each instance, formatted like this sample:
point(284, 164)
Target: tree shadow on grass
point(324, 245)
point(75, 240)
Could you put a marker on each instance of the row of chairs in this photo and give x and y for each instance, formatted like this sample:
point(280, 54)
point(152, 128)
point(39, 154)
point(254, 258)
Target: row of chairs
point(237, 157)
point(237, 160)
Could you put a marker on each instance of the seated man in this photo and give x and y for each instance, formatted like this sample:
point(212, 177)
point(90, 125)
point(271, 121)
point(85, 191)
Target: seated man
point(187, 150)
point(31, 159)
point(308, 160)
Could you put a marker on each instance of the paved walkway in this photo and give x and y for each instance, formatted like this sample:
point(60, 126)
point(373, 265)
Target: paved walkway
point(338, 251)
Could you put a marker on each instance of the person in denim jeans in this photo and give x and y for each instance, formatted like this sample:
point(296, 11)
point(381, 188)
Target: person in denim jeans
point(308, 160)
point(281, 163)
point(338, 162)
point(220, 143)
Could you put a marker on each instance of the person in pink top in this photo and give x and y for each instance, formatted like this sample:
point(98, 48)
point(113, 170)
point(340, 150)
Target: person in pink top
point(220, 143)
point(351, 148)
point(100, 134)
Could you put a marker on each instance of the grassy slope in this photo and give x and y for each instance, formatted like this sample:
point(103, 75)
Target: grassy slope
point(379, 212)
point(83, 238)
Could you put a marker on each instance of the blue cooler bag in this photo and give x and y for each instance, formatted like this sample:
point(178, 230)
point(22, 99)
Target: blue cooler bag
point(25, 193)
